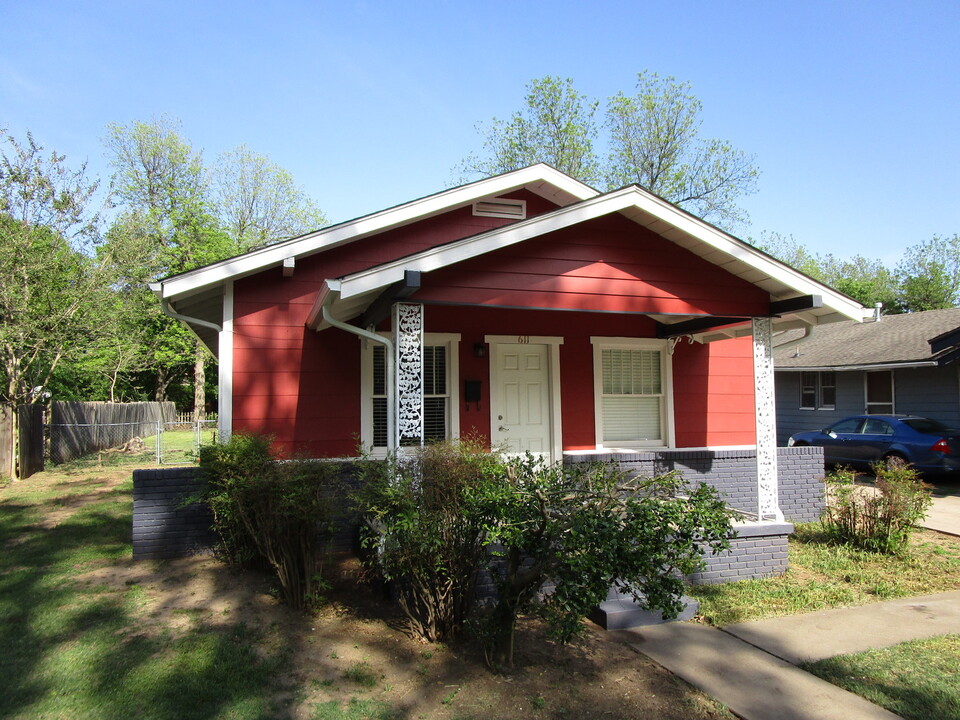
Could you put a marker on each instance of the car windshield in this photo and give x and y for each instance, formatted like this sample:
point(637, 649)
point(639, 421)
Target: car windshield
point(929, 426)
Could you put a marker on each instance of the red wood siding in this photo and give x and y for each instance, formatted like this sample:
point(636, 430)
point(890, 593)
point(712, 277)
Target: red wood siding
point(605, 265)
point(713, 393)
point(303, 387)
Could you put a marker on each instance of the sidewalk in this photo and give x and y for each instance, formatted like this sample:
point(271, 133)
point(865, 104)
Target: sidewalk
point(944, 515)
point(745, 666)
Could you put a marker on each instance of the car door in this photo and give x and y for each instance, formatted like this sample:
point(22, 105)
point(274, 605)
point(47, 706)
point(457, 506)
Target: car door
point(841, 441)
point(875, 440)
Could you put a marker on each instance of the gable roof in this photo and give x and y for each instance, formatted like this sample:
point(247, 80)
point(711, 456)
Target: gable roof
point(350, 295)
point(796, 299)
point(540, 179)
point(893, 341)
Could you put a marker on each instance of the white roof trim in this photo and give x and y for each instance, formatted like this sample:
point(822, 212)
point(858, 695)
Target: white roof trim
point(659, 210)
point(192, 281)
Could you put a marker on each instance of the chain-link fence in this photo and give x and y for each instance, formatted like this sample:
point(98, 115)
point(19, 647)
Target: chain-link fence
point(146, 442)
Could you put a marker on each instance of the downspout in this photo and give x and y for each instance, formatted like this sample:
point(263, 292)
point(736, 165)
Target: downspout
point(390, 371)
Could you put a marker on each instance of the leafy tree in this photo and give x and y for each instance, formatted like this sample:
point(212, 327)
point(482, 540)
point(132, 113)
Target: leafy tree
point(654, 142)
point(652, 137)
point(556, 126)
point(46, 282)
point(930, 274)
point(168, 227)
point(258, 201)
point(866, 280)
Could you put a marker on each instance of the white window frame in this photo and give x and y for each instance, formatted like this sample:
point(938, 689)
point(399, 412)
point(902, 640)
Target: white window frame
point(666, 374)
point(452, 343)
point(818, 386)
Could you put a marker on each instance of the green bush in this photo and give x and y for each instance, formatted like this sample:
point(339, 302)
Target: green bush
point(279, 510)
point(585, 527)
point(426, 523)
point(442, 514)
point(878, 519)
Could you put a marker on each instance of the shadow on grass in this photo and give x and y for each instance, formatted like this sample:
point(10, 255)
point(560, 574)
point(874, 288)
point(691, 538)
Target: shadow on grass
point(72, 651)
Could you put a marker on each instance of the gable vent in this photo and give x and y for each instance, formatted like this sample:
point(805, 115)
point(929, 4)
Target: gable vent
point(501, 208)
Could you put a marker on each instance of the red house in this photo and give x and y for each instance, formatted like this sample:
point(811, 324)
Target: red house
point(525, 308)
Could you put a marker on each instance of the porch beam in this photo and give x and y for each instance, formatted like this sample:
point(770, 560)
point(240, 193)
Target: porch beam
point(797, 304)
point(379, 309)
point(768, 498)
point(697, 325)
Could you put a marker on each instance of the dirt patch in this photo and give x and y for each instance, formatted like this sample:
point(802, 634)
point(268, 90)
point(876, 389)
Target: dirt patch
point(356, 648)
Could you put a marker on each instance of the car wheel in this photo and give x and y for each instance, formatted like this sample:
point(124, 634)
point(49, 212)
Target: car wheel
point(895, 462)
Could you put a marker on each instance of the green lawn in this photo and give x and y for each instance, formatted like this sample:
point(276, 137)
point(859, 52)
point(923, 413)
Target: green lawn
point(177, 447)
point(823, 576)
point(72, 650)
point(917, 680)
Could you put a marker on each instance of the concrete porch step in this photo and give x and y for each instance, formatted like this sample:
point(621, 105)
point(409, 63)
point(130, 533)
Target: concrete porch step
point(621, 612)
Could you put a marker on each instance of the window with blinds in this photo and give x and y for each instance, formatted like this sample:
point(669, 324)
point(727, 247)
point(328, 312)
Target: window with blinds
point(436, 396)
point(631, 396)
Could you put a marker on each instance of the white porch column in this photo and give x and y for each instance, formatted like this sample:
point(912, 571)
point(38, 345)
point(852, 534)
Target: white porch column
point(767, 493)
point(408, 341)
point(225, 367)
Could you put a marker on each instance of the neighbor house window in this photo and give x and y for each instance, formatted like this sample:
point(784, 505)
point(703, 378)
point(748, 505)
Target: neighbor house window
point(440, 421)
point(632, 392)
point(818, 390)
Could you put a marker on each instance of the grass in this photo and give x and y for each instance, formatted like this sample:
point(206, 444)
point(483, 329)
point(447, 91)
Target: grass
point(73, 650)
point(177, 447)
point(916, 680)
point(355, 709)
point(823, 576)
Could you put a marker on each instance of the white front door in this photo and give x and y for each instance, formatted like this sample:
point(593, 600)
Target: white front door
point(521, 413)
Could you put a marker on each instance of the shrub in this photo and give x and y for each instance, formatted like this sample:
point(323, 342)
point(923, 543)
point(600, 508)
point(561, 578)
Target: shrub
point(584, 528)
point(278, 510)
point(878, 519)
point(426, 521)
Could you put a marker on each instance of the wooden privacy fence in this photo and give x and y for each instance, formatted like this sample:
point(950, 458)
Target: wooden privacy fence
point(80, 428)
point(21, 440)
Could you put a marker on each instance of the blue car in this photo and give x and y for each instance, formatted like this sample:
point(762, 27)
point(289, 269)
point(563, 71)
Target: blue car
point(928, 445)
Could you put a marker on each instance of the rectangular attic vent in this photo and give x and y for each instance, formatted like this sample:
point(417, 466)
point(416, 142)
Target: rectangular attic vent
point(501, 208)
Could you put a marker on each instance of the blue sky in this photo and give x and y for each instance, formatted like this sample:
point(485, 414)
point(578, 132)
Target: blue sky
point(852, 109)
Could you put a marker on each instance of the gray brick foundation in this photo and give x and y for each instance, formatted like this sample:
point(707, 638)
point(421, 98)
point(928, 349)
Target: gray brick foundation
point(162, 526)
point(758, 551)
point(734, 474)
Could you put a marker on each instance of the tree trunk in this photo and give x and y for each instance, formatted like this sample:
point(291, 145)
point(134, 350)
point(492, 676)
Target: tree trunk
point(199, 385)
point(164, 377)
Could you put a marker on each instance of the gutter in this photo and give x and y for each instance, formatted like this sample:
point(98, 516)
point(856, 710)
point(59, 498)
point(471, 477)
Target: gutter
point(879, 366)
point(157, 288)
point(389, 357)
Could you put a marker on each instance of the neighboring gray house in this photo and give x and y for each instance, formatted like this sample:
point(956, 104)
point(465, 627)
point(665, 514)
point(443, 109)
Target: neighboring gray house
point(895, 364)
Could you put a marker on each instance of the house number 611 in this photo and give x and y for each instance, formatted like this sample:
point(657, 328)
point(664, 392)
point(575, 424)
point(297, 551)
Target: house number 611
point(523, 339)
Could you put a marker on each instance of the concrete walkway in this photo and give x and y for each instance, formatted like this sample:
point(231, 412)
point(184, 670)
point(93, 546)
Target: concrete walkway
point(749, 667)
point(944, 515)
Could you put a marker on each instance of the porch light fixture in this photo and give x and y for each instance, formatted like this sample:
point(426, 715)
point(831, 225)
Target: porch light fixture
point(480, 349)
